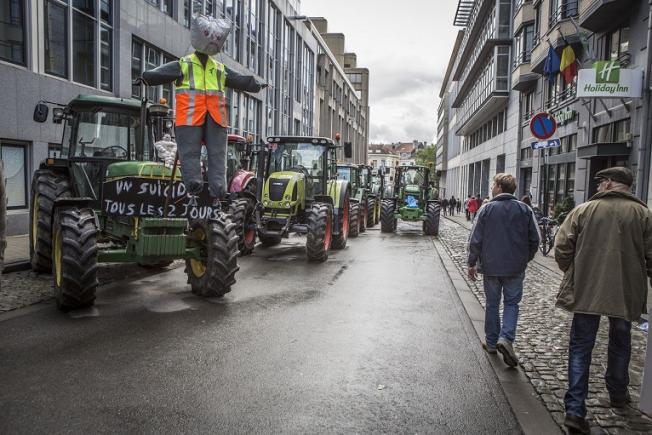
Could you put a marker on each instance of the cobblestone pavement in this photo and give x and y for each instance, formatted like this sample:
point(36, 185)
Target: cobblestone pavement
point(20, 289)
point(542, 343)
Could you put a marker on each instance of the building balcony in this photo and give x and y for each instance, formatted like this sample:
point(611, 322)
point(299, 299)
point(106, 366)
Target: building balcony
point(523, 78)
point(483, 106)
point(523, 13)
point(495, 60)
point(563, 98)
point(598, 15)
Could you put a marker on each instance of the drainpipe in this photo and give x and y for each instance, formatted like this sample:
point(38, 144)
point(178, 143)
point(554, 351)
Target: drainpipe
point(645, 148)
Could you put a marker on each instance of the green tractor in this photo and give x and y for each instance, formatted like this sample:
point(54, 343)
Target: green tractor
point(373, 198)
point(301, 194)
point(108, 200)
point(414, 200)
point(359, 210)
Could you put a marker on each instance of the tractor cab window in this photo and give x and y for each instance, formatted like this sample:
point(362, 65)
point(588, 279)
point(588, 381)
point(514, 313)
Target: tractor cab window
point(413, 176)
point(233, 157)
point(305, 158)
point(365, 175)
point(344, 173)
point(107, 135)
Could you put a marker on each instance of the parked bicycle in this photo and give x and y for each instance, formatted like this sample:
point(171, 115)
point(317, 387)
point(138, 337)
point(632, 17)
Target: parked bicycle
point(547, 230)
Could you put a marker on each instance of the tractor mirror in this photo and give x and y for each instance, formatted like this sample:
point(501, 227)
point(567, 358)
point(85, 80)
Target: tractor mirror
point(57, 115)
point(348, 150)
point(41, 112)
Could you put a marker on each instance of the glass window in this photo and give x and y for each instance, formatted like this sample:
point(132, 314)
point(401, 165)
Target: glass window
point(56, 31)
point(621, 130)
point(166, 7)
point(136, 66)
point(14, 157)
point(186, 12)
point(601, 134)
point(105, 59)
point(86, 6)
point(83, 49)
point(12, 31)
point(109, 135)
point(106, 12)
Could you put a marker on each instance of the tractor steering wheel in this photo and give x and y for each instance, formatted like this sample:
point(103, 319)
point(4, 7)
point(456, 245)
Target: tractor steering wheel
point(301, 169)
point(113, 154)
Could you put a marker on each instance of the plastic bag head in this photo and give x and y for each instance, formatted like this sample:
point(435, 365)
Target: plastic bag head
point(208, 34)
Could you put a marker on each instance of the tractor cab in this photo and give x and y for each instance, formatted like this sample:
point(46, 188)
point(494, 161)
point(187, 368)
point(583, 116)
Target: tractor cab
point(98, 132)
point(362, 210)
point(241, 161)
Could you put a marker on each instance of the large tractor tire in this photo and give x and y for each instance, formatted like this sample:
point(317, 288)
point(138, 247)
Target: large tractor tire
point(74, 257)
point(214, 275)
point(320, 232)
point(371, 212)
point(364, 212)
point(431, 224)
point(354, 219)
point(387, 219)
point(339, 240)
point(242, 213)
point(269, 241)
point(47, 186)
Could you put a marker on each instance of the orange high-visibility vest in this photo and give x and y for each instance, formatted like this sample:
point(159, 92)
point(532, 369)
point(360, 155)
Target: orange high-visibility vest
point(201, 91)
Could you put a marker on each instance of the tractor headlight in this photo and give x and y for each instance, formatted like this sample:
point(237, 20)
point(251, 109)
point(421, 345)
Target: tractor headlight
point(265, 203)
point(287, 204)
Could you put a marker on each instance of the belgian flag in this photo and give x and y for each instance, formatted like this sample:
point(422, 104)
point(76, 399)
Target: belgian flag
point(568, 64)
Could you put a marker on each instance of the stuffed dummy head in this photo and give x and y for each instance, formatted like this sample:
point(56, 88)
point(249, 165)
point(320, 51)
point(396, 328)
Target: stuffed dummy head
point(208, 34)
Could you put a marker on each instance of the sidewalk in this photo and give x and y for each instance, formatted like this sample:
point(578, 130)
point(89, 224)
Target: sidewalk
point(17, 249)
point(547, 262)
point(542, 342)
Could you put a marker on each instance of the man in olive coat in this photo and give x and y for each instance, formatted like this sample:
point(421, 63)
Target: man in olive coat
point(604, 248)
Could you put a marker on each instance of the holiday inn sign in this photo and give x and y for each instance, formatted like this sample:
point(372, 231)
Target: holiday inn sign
point(608, 80)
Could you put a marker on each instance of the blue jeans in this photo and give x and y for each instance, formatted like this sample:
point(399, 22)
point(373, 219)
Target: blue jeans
point(582, 340)
point(511, 289)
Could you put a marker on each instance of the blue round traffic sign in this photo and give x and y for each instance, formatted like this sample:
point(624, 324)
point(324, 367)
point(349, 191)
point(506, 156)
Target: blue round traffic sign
point(543, 125)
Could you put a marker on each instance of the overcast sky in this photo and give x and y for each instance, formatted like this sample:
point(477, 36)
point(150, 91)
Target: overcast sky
point(406, 46)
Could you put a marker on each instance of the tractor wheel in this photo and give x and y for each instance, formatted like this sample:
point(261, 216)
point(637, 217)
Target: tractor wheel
point(242, 214)
point(364, 212)
point(371, 212)
point(387, 219)
point(269, 241)
point(320, 232)
point(354, 219)
point(431, 224)
point(74, 258)
point(47, 186)
point(214, 274)
point(339, 240)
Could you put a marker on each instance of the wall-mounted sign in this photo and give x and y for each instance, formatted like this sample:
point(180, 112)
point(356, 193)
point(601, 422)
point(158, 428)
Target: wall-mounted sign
point(565, 116)
point(543, 125)
point(608, 80)
point(554, 142)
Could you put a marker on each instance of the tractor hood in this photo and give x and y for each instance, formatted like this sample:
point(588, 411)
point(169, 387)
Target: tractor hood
point(284, 190)
point(141, 170)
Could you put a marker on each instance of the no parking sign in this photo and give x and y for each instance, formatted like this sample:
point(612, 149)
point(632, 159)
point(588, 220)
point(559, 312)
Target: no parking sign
point(543, 126)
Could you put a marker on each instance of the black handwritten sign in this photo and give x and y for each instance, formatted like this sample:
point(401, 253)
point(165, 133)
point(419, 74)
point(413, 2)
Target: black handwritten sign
point(144, 197)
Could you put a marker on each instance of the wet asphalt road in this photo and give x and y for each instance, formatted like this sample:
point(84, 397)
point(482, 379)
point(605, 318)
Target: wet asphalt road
point(373, 340)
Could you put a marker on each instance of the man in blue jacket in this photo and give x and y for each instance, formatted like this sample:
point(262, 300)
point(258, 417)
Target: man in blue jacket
point(503, 240)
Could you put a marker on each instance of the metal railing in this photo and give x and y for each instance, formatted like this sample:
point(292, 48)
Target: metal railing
point(523, 57)
point(566, 95)
point(565, 10)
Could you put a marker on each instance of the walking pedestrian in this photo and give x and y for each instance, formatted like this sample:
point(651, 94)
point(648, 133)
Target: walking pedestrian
point(473, 207)
point(503, 240)
point(527, 201)
point(604, 248)
point(452, 204)
point(459, 206)
point(444, 205)
point(467, 202)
